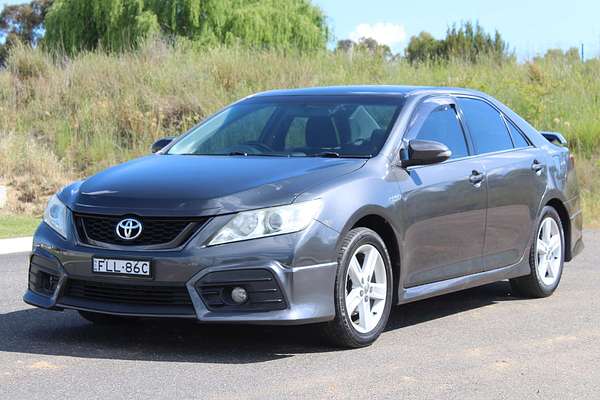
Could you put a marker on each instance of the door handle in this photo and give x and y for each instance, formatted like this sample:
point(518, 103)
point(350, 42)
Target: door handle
point(476, 178)
point(537, 167)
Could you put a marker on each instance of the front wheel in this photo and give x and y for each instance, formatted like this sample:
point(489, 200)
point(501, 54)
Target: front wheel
point(546, 258)
point(363, 290)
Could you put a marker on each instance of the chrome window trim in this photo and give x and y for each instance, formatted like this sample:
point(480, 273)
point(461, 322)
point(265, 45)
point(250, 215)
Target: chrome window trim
point(471, 157)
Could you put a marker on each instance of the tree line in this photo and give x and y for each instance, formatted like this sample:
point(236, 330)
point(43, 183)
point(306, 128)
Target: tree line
point(466, 41)
point(71, 26)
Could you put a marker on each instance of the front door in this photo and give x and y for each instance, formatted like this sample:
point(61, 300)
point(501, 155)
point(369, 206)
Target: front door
point(444, 205)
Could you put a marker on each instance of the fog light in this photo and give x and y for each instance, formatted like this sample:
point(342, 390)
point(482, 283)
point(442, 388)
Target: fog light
point(239, 295)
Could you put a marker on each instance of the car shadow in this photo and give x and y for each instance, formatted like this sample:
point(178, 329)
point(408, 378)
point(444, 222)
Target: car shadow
point(449, 304)
point(36, 331)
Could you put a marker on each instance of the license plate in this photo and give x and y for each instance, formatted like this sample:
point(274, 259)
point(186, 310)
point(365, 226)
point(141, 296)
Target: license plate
point(121, 267)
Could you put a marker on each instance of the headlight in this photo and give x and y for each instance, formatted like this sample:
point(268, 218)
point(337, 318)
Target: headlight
point(268, 222)
point(56, 216)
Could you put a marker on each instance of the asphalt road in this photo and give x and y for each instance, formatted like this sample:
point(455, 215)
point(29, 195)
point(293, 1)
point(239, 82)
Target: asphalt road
point(477, 344)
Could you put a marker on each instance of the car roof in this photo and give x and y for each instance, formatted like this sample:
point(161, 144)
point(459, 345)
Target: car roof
point(366, 90)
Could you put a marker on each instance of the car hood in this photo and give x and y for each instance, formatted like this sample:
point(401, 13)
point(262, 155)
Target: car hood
point(187, 185)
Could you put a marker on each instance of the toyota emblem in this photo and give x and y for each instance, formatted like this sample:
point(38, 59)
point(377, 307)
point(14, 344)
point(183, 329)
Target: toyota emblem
point(129, 229)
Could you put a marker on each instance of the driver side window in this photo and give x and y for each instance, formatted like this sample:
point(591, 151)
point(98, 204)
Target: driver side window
point(443, 126)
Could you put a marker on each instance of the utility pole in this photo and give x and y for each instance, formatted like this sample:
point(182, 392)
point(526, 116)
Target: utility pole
point(582, 54)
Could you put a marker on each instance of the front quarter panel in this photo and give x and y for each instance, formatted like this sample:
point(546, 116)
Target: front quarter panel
point(372, 190)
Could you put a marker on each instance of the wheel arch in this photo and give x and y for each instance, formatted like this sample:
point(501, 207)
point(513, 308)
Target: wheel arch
point(376, 219)
point(565, 221)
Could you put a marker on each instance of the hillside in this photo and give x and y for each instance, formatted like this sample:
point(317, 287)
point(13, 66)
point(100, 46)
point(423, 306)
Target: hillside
point(67, 118)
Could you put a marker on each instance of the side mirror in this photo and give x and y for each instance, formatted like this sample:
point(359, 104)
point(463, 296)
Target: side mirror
point(424, 152)
point(160, 144)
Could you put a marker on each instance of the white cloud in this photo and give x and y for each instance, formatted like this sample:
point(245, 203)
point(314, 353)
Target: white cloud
point(383, 32)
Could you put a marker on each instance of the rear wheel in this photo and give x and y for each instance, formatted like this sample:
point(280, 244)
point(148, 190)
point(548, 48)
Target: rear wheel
point(363, 290)
point(546, 258)
point(105, 319)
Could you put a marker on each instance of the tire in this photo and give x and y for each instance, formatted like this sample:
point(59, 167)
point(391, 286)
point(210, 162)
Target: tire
point(539, 284)
point(105, 319)
point(361, 326)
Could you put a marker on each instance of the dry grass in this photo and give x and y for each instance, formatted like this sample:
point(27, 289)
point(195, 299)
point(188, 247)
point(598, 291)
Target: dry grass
point(588, 172)
point(31, 171)
point(62, 119)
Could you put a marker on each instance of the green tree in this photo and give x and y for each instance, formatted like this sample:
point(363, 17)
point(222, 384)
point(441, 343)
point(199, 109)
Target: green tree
point(74, 25)
point(571, 55)
point(467, 42)
point(22, 23)
point(364, 45)
point(423, 47)
point(344, 46)
point(372, 47)
point(288, 24)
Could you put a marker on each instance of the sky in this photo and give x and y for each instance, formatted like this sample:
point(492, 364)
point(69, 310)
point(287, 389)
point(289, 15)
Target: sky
point(529, 26)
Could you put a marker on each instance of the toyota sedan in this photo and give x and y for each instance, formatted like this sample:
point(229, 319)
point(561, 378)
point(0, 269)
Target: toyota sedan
point(323, 206)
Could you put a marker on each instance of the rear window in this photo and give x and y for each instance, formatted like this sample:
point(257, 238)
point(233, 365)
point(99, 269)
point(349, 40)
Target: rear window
point(486, 126)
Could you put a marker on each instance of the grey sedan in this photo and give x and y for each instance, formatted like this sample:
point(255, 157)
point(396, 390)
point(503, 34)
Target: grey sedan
point(319, 205)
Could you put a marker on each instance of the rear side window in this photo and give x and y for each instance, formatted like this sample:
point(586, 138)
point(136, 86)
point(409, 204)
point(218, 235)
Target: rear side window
point(486, 126)
point(517, 136)
point(442, 126)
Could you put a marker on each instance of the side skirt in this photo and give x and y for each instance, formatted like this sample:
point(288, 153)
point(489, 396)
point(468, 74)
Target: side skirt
point(408, 295)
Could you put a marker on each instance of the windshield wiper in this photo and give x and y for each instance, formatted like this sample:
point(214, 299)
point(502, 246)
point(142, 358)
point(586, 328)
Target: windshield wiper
point(334, 154)
point(233, 153)
point(327, 154)
point(241, 153)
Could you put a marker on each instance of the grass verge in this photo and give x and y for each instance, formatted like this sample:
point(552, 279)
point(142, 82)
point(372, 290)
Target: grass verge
point(17, 225)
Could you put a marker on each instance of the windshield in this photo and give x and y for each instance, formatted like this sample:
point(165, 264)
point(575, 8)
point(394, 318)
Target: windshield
point(296, 126)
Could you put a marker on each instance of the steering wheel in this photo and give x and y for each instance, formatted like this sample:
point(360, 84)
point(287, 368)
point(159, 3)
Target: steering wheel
point(360, 141)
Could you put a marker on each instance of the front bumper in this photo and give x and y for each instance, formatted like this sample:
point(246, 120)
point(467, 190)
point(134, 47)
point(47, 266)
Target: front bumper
point(287, 283)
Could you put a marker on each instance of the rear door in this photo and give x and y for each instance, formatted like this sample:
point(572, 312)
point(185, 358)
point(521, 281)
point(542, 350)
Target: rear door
point(444, 204)
point(515, 178)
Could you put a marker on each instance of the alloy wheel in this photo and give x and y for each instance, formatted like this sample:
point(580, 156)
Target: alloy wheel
point(366, 288)
point(548, 251)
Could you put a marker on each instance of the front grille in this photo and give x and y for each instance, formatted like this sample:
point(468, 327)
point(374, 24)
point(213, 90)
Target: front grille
point(157, 232)
point(128, 294)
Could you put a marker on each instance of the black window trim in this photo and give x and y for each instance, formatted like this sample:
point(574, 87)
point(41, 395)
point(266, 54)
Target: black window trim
point(508, 123)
